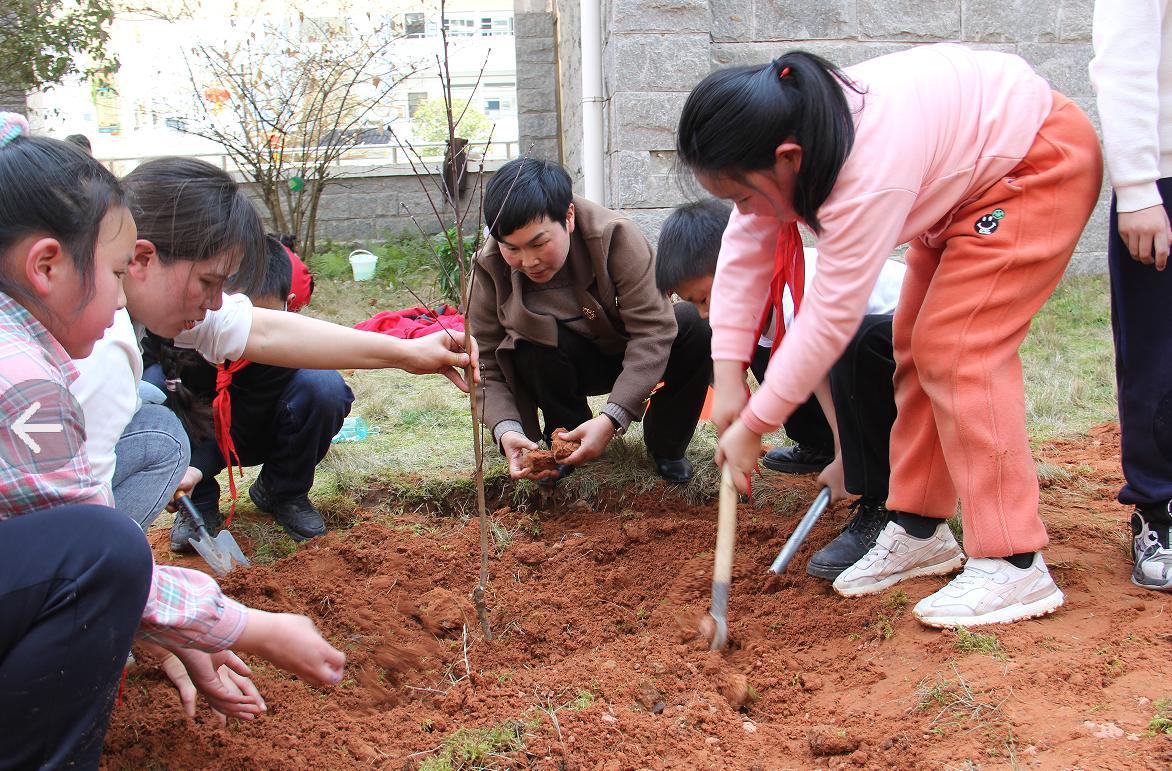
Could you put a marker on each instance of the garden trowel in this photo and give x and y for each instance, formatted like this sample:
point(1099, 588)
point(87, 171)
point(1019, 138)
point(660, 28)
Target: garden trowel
point(222, 553)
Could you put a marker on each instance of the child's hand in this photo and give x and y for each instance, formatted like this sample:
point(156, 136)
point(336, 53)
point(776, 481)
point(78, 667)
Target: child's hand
point(740, 449)
point(594, 434)
point(442, 353)
point(1147, 235)
point(292, 643)
point(222, 678)
point(729, 393)
point(516, 446)
point(191, 478)
point(833, 477)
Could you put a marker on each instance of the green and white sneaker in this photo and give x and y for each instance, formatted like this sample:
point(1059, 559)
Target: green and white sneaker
point(992, 591)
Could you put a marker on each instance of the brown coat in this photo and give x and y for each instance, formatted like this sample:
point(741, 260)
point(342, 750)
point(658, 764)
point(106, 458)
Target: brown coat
point(613, 273)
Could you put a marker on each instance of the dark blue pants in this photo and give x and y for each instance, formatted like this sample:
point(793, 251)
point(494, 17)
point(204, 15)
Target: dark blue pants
point(73, 584)
point(1141, 298)
point(289, 435)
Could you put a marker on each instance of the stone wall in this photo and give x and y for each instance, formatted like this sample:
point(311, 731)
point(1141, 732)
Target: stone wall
point(537, 81)
point(373, 203)
point(655, 51)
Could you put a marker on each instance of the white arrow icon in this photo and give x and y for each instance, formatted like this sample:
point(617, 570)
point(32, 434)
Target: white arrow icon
point(23, 429)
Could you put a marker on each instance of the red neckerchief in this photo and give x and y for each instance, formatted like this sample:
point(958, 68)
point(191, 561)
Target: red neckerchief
point(222, 416)
point(789, 269)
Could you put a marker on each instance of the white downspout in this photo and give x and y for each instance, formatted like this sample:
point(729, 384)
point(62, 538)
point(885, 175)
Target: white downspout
point(593, 169)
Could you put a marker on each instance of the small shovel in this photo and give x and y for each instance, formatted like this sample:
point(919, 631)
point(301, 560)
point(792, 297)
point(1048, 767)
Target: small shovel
point(726, 536)
point(800, 532)
point(222, 553)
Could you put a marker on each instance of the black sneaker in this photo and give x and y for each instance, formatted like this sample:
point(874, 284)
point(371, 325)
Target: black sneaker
point(296, 516)
point(797, 459)
point(853, 542)
point(184, 529)
point(1151, 546)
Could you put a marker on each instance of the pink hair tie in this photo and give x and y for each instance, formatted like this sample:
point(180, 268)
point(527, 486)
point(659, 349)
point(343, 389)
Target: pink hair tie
point(783, 73)
point(12, 125)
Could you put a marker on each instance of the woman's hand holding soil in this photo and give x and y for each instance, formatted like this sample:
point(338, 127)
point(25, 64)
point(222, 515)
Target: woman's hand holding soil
point(292, 643)
point(594, 435)
point(516, 446)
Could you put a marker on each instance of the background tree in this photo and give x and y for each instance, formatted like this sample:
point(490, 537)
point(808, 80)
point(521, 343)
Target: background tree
point(288, 96)
point(44, 41)
point(430, 122)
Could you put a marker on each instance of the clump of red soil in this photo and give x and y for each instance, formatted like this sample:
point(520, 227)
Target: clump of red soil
point(537, 461)
point(590, 666)
point(563, 448)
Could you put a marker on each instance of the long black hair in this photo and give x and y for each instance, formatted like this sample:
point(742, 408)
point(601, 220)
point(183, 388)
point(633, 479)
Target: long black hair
point(192, 211)
point(51, 187)
point(735, 119)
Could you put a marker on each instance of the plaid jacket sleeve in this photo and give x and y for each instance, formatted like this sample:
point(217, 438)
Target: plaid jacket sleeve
point(187, 609)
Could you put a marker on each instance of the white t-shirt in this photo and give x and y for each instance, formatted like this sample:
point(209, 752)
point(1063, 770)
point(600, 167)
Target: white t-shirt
point(107, 387)
point(883, 299)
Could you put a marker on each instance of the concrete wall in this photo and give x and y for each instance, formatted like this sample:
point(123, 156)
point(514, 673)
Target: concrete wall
point(373, 203)
point(657, 50)
point(537, 82)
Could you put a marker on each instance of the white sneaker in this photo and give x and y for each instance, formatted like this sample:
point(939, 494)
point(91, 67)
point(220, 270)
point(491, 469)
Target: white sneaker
point(1153, 562)
point(896, 556)
point(992, 591)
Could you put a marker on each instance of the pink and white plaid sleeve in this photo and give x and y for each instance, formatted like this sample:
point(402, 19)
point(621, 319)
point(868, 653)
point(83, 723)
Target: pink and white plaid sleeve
point(187, 609)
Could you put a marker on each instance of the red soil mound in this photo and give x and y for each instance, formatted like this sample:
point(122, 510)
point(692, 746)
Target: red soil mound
point(596, 661)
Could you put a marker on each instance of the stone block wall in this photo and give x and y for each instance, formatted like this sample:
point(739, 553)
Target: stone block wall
point(373, 203)
point(655, 51)
point(538, 113)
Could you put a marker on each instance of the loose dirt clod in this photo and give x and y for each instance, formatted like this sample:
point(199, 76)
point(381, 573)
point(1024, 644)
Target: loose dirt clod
point(563, 448)
point(827, 740)
point(537, 461)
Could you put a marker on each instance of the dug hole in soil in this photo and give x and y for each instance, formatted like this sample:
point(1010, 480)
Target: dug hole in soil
point(596, 663)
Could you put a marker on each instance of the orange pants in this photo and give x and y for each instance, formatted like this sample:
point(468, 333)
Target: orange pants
point(966, 305)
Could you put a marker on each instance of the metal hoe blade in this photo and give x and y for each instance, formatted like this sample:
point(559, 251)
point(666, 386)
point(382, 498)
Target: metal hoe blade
point(800, 532)
point(726, 534)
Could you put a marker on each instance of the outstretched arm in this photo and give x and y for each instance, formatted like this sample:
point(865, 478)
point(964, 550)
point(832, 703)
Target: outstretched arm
point(291, 340)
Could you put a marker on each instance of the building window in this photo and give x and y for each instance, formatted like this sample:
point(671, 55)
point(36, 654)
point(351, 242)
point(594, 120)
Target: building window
point(414, 100)
point(413, 25)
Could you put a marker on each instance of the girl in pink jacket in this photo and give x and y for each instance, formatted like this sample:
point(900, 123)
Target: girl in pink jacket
point(989, 176)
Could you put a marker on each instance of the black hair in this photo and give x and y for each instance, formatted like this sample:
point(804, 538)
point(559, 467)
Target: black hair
point(735, 119)
point(194, 411)
point(525, 190)
point(689, 242)
point(192, 211)
point(277, 282)
point(81, 140)
point(51, 187)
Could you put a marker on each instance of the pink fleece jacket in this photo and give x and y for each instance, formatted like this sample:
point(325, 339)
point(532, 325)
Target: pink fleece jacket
point(936, 126)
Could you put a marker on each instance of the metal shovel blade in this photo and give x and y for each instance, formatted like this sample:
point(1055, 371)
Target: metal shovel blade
point(222, 553)
point(800, 532)
point(726, 534)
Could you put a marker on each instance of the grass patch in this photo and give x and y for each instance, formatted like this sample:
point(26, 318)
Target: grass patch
point(475, 748)
point(1068, 362)
point(956, 707)
point(978, 642)
point(1161, 723)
